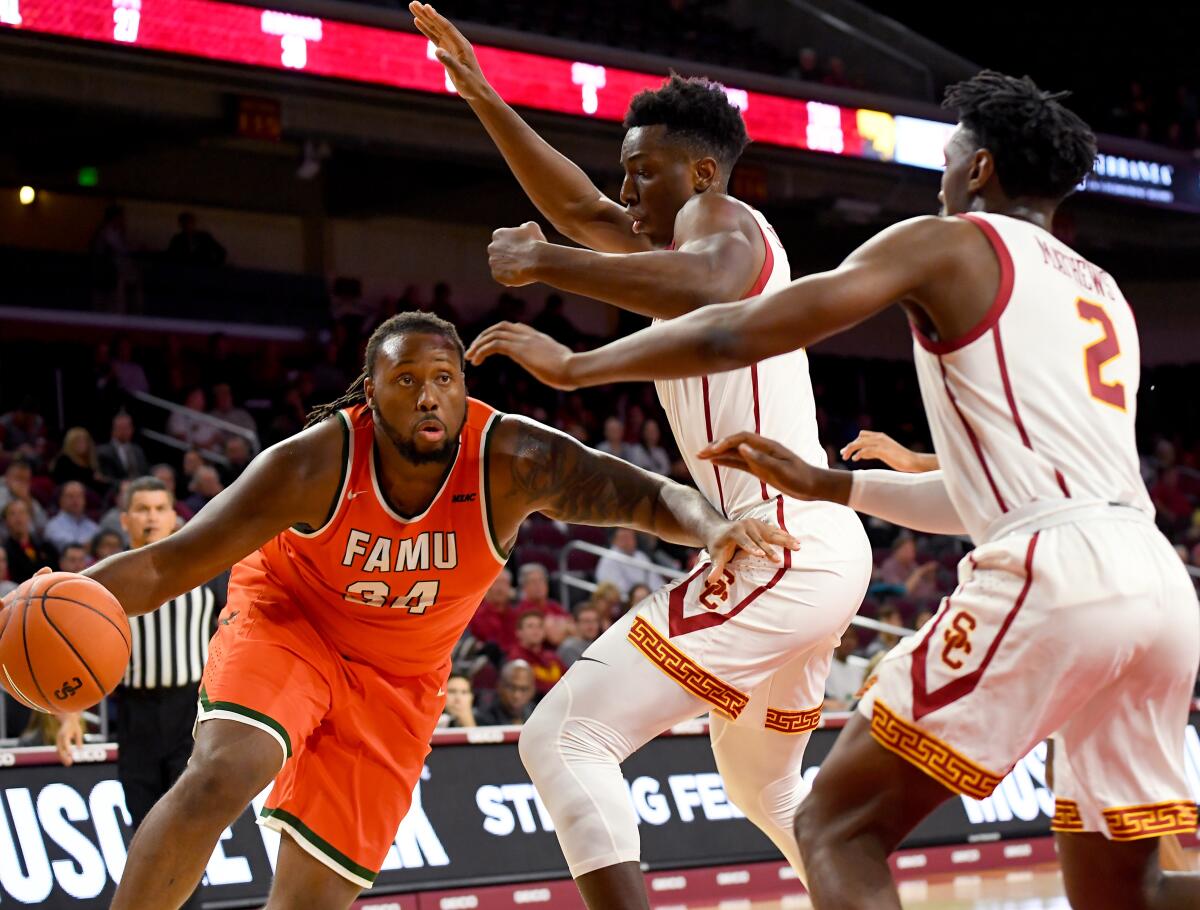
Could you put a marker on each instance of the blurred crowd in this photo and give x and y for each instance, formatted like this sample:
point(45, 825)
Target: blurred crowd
point(62, 487)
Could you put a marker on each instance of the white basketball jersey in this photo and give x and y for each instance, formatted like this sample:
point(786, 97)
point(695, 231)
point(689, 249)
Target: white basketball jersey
point(1033, 410)
point(774, 398)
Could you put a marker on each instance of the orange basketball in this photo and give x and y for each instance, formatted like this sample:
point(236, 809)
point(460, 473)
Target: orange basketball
point(65, 643)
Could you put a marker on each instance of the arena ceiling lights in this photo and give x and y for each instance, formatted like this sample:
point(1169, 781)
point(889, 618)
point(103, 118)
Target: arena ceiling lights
point(359, 53)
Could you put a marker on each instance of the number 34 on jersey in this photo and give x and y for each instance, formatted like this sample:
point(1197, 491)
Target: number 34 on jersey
point(384, 556)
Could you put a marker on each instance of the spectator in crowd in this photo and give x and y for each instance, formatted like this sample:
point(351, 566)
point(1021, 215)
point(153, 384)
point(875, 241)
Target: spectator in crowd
point(130, 375)
point(494, 620)
point(6, 583)
point(554, 322)
point(607, 598)
point(26, 550)
point(807, 66)
point(237, 454)
point(614, 440)
point(192, 246)
point(225, 408)
point(329, 378)
point(885, 641)
point(649, 453)
point(111, 520)
point(193, 461)
point(73, 558)
point(845, 678)
point(923, 616)
point(460, 703)
point(23, 431)
point(588, 626)
point(613, 567)
point(18, 484)
point(441, 306)
point(637, 594)
point(532, 648)
point(106, 544)
point(121, 457)
point(835, 75)
point(902, 561)
point(188, 427)
point(205, 486)
point(165, 473)
point(169, 478)
point(116, 279)
point(534, 582)
point(71, 525)
point(78, 462)
point(514, 697)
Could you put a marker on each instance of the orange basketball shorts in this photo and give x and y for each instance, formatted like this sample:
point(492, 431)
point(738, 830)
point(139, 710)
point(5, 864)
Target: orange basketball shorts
point(353, 739)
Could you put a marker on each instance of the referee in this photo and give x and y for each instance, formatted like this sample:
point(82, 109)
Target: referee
point(169, 647)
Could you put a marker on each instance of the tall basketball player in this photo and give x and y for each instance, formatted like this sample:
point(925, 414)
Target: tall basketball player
point(365, 544)
point(754, 648)
point(1074, 616)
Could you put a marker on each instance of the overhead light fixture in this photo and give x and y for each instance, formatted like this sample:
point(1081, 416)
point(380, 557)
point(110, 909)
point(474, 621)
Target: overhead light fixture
point(27, 194)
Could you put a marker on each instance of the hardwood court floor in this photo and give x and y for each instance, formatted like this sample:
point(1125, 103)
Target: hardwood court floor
point(1038, 888)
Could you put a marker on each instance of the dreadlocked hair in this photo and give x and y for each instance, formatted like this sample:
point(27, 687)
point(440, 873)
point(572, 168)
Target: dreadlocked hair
point(415, 323)
point(696, 110)
point(1041, 148)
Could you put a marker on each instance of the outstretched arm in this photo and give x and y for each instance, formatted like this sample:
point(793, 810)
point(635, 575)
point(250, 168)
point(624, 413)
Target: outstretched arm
point(716, 257)
point(290, 483)
point(896, 264)
point(871, 445)
point(537, 469)
point(556, 185)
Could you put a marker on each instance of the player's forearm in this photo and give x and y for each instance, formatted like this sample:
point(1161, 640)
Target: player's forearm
point(917, 501)
point(683, 516)
point(134, 579)
point(659, 284)
point(555, 184)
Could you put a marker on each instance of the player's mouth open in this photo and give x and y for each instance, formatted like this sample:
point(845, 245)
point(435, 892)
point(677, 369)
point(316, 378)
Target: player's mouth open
point(433, 430)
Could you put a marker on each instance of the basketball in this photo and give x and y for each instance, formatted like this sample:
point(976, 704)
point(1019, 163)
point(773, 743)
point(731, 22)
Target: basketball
point(64, 644)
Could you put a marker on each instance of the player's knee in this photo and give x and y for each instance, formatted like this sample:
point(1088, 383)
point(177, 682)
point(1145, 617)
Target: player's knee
point(538, 735)
point(224, 778)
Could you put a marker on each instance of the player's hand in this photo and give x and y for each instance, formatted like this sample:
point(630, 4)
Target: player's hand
point(755, 537)
point(768, 461)
point(453, 51)
point(880, 446)
point(512, 254)
point(70, 734)
point(541, 355)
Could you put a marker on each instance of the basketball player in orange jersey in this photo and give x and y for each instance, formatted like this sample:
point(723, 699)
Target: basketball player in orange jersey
point(365, 544)
point(755, 648)
point(1073, 616)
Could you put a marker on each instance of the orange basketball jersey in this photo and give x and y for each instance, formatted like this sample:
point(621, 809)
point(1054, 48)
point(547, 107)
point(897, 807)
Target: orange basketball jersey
point(387, 589)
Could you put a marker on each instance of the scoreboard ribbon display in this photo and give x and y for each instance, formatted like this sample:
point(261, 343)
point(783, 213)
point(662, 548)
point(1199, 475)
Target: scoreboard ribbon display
point(369, 54)
point(476, 819)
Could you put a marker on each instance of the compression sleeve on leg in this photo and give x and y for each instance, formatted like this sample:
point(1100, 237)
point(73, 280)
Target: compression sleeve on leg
point(916, 501)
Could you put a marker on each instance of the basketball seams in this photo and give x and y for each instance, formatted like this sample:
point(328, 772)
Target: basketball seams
point(79, 657)
point(87, 606)
point(28, 661)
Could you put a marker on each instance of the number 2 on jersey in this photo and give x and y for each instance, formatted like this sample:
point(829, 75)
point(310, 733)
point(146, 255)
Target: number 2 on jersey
point(1099, 353)
point(420, 597)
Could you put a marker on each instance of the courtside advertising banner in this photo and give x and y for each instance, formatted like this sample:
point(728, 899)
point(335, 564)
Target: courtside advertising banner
point(476, 820)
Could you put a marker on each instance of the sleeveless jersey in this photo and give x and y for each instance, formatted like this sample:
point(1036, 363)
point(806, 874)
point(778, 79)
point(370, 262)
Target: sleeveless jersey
point(773, 397)
point(1033, 410)
point(383, 588)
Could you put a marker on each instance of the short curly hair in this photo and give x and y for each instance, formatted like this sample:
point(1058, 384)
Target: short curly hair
point(1041, 148)
point(696, 111)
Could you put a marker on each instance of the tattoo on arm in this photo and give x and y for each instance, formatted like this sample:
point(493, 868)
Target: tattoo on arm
point(568, 481)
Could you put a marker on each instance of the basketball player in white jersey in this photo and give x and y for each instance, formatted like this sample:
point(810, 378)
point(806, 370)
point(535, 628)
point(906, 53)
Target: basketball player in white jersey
point(1073, 616)
point(753, 648)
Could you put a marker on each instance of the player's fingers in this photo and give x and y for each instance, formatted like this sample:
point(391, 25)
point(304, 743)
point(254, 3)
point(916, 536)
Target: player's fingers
point(44, 570)
point(755, 533)
point(774, 535)
point(731, 460)
point(724, 444)
point(497, 347)
point(744, 538)
point(719, 561)
point(63, 748)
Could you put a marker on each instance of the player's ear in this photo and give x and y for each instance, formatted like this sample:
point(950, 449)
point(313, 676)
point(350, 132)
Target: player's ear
point(369, 390)
point(704, 174)
point(983, 167)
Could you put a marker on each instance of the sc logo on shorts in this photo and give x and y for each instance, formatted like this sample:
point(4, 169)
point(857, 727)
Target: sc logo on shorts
point(718, 589)
point(958, 638)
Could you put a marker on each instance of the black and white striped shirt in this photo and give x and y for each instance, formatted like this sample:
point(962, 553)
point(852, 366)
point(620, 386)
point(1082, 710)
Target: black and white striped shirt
point(170, 645)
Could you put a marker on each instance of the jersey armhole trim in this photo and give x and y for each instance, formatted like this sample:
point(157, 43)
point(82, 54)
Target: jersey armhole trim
point(343, 480)
point(999, 304)
point(485, 490)
point(768, 265)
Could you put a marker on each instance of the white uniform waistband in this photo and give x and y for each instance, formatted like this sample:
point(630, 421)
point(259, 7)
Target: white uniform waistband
point(1038, 516)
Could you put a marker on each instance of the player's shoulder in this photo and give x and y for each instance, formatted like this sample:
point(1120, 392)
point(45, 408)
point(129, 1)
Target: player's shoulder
point(713, 213)
point(515, 437)
point(315, 450)
point(929, 237)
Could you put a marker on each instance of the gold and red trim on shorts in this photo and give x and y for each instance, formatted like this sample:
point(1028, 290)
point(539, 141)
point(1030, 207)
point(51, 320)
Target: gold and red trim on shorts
point(1066, 817)
point(685, 671)
point(1151, 820)
point(931, 755)
point(793, 721)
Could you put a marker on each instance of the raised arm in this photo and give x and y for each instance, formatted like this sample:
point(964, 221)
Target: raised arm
point(901, 263)
point(718, 254)
point(293, 482)
point(559, 188)
point(536, 469)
